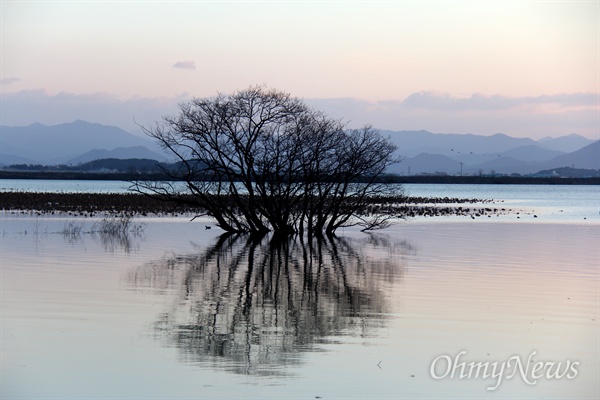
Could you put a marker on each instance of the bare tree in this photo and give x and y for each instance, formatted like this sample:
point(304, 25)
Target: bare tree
point(260, 160)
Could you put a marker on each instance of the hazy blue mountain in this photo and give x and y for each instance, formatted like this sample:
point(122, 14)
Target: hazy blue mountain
point(58, 143)
point(472, 158)
point(566, 144)
point(412, 143)
point(424, 152)
point(426, 163)
point(122, 153)
point(586, 158)
point(427, 152)
point(504, 165)
point(531, 153)
point(7, 150)
point(7, 159)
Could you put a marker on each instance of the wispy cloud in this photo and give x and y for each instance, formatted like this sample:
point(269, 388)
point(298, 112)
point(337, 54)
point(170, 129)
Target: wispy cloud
point(9, 81)
point(185, 64)
point(444, 102)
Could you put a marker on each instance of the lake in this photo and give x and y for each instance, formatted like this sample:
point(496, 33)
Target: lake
point(175, 310)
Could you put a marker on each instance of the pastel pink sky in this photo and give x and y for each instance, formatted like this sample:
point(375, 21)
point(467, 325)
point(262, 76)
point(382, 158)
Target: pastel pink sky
point(521, 68)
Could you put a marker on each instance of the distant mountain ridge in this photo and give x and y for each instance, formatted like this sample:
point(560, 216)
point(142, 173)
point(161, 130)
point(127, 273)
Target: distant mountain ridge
point(424, 163)
point(431, 153)
point(137, 152)
point(412, 143)
point(531, 153)
point(587, 157)
point(59, 143)
point(423, 152)
point(568, 143)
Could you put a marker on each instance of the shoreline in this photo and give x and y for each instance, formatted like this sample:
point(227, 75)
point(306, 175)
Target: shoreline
point(427, 179)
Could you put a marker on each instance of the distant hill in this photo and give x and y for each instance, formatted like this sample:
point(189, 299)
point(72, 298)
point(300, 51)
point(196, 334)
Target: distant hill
point(120, 165)
point(426, 163)
point(137, 152)
point(585, 158)
point(428, 153)
point(7, 159)
point(59, 143)
point(424, 152)
point(566, 144)
point(504, 165)
point(412, 143)
point(11, 155)
point(531, 153)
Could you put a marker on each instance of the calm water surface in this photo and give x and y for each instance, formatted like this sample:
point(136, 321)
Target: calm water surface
point(179, 311)
point(58, 185)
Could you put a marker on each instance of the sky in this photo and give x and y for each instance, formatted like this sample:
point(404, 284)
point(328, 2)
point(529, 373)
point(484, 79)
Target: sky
point(523, 68)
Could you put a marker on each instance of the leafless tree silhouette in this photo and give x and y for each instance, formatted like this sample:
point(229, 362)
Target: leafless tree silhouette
point(260, 160)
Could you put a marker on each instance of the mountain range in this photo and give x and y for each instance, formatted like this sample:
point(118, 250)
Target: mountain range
point(468, 154)
point(74, 142)
point(422, 152)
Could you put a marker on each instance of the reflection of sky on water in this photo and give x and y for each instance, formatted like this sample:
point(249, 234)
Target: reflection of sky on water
point(81, 319)
point(251, 305)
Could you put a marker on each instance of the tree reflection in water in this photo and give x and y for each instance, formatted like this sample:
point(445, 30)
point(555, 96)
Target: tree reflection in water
point(251, 305)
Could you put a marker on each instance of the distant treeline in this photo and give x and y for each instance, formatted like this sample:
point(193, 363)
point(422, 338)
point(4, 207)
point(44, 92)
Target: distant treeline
point(441, 179)
point(130, 165)
point(146, 169)
point(133, 168)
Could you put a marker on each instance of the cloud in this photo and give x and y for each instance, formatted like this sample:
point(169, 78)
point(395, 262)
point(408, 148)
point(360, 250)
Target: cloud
point(534, 117)
point(185, 64)
point(9, 81)
point(444, 102)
